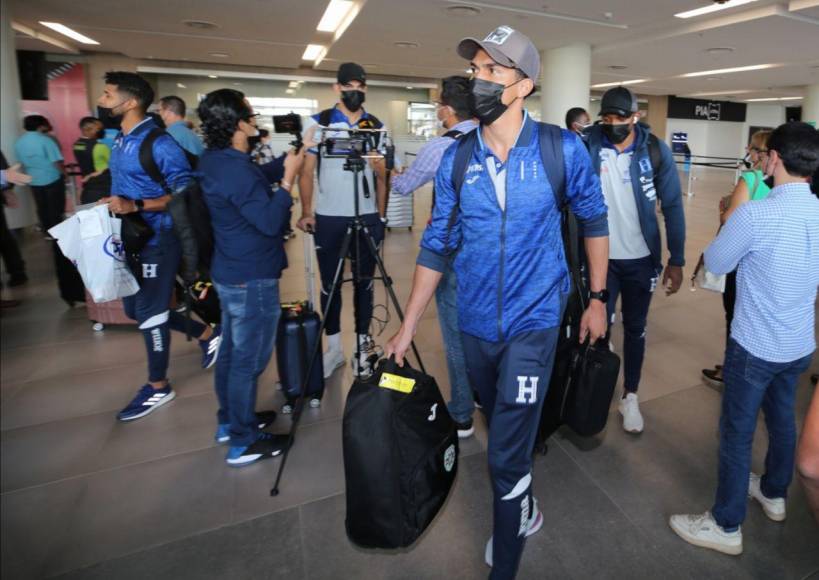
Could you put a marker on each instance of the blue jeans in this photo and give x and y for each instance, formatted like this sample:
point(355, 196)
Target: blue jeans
point(462, 403)
point(751, 383)
point(250, 316)
point(634, 282)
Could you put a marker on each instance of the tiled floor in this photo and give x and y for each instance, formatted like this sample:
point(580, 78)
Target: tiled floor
point(84, 496)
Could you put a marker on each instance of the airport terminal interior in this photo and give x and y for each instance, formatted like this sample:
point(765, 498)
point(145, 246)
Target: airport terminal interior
point(87, 496)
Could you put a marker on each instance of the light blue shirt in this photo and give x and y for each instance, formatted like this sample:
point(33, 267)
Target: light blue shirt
point(775, 244)
point(186, 138)
point(38, 153)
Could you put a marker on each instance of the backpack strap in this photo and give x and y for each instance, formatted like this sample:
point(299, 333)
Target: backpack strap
point(551, 154)
point(147, 161)
point(453, 134)
point(654, 154)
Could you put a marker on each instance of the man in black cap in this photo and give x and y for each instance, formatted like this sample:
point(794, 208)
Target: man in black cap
point(502, 226)
point(635, 168)
point(329, 214)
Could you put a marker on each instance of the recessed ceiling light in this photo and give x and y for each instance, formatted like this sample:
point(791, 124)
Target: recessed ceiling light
point(773, 99)
point(69, 32)
point(181, 86)
point(619, 83)
point(213, 77)
point(712, 8)
point(617, 67)
point(293, 84)
point(406, 44)
point(237, 84)
point(334, 15)
point(313, 51)
point(713, 78)
point(720, 50)
point(219, 54)
point(410, 88)
point(463, 11)
point(200, 24)
point(289, 91)
point(705, 73)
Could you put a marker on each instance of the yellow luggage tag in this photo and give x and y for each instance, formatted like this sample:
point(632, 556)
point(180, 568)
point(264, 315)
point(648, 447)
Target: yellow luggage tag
point(396, 383)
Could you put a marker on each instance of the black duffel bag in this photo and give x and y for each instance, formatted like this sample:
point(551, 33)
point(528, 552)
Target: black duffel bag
point(400, 456)
point(587, 398)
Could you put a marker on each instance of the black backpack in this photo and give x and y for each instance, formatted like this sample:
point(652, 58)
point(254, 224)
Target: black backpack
point(190, 213)
point(400, 456)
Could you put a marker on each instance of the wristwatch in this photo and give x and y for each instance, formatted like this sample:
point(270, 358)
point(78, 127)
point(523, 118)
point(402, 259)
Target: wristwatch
point(140, 204)
point(602, 296)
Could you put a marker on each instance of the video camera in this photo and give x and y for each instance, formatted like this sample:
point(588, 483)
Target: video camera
point(358, 143)
point(290, 123)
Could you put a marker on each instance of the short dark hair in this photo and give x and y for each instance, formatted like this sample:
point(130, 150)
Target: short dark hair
point(220, 112)
point(573, 114)
point(455, 94)
point(132, 85)
point(85, 121)
point(173, 103)
point(798, 146)
point(264, 133)
point(34, 122)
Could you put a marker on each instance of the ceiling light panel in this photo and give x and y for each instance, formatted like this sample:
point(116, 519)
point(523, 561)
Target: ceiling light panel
point(712, 8)
point(69, 32)
point(334, 15)
point(705, 73)
point(312, 52)
point(619, 83)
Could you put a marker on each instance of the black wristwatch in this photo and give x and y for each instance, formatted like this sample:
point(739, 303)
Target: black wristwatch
point(140, 204)
point(602, 296)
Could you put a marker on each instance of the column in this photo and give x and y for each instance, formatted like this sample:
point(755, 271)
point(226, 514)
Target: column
point(564, 81)
point(10, 117)
point(810, 105)
point(658, 115)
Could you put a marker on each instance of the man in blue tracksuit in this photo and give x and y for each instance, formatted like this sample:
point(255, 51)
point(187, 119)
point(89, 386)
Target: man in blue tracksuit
point(622, 150)
point(128, 95)
point(511, 271)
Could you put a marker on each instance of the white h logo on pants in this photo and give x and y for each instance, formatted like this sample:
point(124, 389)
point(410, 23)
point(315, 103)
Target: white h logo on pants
point(149, 270)
point(523, 390)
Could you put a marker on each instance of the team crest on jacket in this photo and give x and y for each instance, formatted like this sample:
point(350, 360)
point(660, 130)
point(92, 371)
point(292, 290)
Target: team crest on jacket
point(449, 458)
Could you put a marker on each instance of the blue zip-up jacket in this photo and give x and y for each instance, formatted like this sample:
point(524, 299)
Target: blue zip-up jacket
point(646, 189)
point(510, 263)
point(128, 179)
point(247, 217)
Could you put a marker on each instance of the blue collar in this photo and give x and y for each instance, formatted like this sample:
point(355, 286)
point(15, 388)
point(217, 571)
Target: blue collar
point(524, 134)
point(145, 124)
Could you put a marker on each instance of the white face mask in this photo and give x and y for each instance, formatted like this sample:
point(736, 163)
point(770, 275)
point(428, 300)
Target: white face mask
point(254, 131)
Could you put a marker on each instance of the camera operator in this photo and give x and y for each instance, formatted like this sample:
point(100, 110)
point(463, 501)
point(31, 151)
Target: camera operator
point(330, 213)
point(248, 261)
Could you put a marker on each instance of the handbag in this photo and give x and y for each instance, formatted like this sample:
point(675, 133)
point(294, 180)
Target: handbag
point(591, 383)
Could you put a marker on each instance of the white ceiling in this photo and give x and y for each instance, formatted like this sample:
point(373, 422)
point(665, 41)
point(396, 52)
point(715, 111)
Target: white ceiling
point(273, 34)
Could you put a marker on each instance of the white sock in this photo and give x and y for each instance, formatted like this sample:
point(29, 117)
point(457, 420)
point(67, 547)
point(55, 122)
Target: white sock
point(334, 342)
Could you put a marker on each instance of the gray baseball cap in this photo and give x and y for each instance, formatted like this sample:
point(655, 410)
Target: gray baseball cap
point(507, 47)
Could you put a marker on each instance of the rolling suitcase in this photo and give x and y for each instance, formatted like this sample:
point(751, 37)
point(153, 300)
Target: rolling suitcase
point(103, 313)
point(400, 211)
point(297, 336)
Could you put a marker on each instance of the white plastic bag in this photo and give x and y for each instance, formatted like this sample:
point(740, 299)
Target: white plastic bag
point(707, 280)
point(91, 240)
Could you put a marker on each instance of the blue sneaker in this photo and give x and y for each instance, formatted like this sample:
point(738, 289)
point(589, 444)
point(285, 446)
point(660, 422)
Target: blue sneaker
point(265, 419)
point(210, 347)
point(266, 446)
point(147, 400)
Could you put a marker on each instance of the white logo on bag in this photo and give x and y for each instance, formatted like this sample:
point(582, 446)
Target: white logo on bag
point(433, 412)
point(523, 390)
point(149, 270)
point(449, 458)
point(524, 516)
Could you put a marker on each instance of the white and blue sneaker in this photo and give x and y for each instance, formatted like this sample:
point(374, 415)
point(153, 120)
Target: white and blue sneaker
point(147, 400)
point(210, 347)
point(265, 419)
point(266, 446)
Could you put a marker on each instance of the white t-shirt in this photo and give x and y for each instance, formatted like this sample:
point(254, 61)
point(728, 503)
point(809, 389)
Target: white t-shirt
point(626, 241)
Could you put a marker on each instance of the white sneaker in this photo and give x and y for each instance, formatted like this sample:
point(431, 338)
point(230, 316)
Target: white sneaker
point(773, 508)
point(367, 358)
point(332, 359)
point(702, 530)
point(630, 410)
point(532, 527)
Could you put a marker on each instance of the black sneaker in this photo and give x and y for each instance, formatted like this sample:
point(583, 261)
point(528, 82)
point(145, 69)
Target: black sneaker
point(466, 429)
point(714, 377)
point(266, 446)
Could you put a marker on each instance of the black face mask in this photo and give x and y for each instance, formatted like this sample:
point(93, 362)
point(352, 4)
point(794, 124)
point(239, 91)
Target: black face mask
point(617, 133)
point(485, 99)
point(353, 99)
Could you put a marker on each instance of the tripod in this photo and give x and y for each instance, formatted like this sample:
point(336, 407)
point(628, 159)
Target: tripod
point(356, 229)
